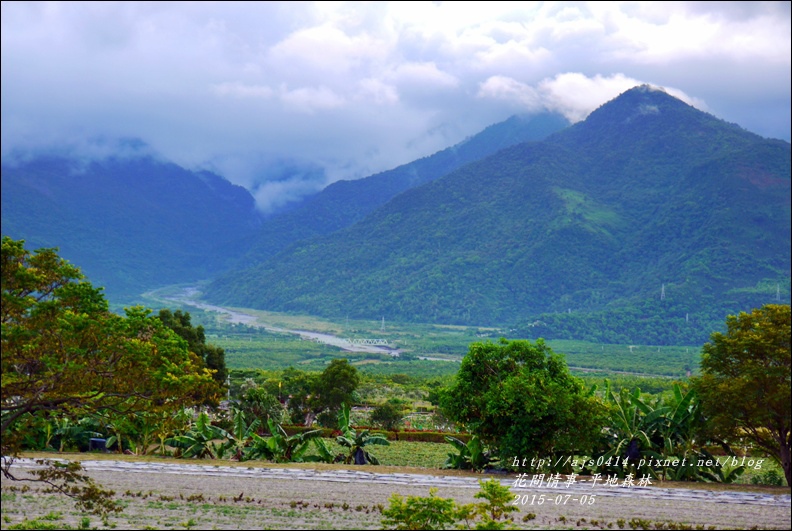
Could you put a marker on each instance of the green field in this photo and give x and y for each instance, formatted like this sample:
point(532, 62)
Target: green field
point(261, 347)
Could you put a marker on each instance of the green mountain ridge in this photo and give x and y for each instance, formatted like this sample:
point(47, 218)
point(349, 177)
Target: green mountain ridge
point(344, 203)
point(646, 196)
point(135, 222)
point(130, 224)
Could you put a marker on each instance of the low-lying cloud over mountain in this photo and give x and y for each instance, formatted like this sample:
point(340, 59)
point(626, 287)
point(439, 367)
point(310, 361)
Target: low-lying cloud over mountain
point(286, 97)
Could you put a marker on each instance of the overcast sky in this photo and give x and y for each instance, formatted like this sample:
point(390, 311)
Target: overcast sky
point(285, 97)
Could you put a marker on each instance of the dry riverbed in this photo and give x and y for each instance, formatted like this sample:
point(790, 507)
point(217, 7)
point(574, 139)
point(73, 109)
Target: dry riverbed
point(163, 495)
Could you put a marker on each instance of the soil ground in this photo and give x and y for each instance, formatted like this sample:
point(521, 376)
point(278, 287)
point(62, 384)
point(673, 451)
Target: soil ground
point(237, 496)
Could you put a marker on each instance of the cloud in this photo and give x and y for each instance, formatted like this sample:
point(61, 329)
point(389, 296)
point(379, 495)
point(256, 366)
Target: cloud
point(572, 94)
point(356, 88)
point(242, 90)
point(311, 99)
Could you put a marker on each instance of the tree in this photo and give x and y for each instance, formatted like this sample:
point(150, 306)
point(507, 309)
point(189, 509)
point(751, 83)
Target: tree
point(334, 387)
point(66, 355)
point(258, 403)
point(388, 415)
point(212, 356)
point(311, 395)
point(298, 388)
point(520, 398)
point(745, 380)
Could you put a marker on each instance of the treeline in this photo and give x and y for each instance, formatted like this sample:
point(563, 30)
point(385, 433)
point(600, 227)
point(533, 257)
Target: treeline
point(649, 322)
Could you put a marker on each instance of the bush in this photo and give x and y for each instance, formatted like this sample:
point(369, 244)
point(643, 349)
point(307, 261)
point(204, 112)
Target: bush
point(769, 477)
point(388, 415)
point(416, 512)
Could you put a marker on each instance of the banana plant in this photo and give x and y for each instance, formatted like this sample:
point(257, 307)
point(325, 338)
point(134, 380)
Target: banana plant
point(70, 433)
point(242, 433)
point(357, 441)
point(471, 455)
point(680, 431)
point(280, 447)
point(324, 454)
point(631, 437)
point(202, 440)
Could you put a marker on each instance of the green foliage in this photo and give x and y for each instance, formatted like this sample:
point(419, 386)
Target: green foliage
point(279, 446)
point(433, 512)
point(471, 456)
point(388, 415)
point(745, 381)
point(357, 441)
point(769, 477)
point(299, 386)
point(66, 356)
point(258, 403)
point(334, 387)
point(416, 512)
point(202, 440)
point(519, 397)
point(212, 356)
point(664, 438)
point(242, 433)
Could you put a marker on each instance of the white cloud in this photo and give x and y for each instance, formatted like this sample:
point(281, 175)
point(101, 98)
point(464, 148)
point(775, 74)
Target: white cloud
point(506, 88)
point(426, 75)
point(575, 95)
point(311, 99)
point(242, 90)
point(362, 87)
point(572, 94)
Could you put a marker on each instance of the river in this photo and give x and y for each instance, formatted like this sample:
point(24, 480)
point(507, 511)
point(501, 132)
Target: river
point(190, 295)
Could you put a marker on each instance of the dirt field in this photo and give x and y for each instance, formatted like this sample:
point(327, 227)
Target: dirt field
point(168, 495)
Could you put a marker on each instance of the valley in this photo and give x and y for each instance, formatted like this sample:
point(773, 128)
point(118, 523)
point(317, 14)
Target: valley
point(259, 339)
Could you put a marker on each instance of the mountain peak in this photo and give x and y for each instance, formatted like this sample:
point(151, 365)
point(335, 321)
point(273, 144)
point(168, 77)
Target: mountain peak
point(637, 102)
point(648, 119)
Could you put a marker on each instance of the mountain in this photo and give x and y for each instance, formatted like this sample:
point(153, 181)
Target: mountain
point(650, 213)
point(134, 222)
point(129, 223)
point(345, 202)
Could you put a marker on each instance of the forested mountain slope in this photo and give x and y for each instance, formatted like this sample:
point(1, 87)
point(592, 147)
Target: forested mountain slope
point(345, 202)
point(648, 203)
point(129, 223)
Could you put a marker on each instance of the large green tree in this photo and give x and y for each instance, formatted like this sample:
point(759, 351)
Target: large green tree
point(520, 398)
point(312, 395)
point(212, 355)
point(334, 387)
point(745, 380)
point(66, 355)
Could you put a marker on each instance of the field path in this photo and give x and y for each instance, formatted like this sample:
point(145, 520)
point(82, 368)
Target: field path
point(255, 497)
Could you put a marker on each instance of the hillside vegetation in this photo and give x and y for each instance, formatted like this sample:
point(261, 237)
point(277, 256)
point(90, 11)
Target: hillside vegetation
point(644, 223)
